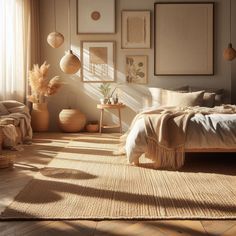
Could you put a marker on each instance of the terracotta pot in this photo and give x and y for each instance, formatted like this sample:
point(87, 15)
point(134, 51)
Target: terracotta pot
point(71, 120)
point(92, 128)
point(40, 117)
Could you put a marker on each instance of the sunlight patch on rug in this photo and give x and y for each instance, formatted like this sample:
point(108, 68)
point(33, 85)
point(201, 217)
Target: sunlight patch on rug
point(86, 180)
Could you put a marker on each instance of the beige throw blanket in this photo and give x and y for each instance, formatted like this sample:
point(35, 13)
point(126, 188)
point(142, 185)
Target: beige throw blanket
point(18, 117)
point(166, 131)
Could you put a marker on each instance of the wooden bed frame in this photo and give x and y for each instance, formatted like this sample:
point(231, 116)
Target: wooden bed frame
point(210, 150)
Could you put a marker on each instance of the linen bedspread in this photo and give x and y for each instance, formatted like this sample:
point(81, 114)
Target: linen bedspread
point(163, 134)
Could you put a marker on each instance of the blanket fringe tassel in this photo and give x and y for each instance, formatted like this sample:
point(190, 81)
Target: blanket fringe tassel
point(165, 158)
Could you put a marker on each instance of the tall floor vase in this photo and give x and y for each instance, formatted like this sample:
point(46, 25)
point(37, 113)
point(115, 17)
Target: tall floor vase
point(40, 117)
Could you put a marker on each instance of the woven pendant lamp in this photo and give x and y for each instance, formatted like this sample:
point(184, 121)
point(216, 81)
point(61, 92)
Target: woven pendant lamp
point(55, 39)
point(229, 53)
point(69, 63)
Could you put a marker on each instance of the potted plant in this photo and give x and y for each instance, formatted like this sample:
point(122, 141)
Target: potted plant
point(41, 87)
point(105, 89)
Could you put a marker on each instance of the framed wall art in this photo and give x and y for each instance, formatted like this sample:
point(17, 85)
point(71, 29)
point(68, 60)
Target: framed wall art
point(135, 29)
point(183, 38)
point(95, 17)
point(136, 69)
point(98, 63)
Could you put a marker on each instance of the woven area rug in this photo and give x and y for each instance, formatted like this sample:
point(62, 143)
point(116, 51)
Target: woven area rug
point(87, 180)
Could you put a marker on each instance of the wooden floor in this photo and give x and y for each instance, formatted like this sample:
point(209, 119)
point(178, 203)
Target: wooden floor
point(36, 156)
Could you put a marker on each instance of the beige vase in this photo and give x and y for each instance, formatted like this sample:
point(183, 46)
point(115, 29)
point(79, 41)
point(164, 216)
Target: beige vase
point(40, 117)
point(70, 63)
point(71, 120)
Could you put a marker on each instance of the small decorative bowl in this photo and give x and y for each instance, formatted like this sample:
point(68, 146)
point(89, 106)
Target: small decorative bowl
point(92, 128)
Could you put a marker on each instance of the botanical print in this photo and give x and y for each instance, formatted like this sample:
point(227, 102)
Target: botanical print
point(136, 69)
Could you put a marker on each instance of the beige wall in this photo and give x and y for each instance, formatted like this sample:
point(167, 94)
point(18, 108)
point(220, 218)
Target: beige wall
point(85, 96)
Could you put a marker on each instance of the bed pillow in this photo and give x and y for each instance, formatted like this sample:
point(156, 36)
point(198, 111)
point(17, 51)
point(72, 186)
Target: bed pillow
point(3, 110)
point(172, 98)
point(208, 99)
point(182, 89)
point(155, 96)
point(219, 97)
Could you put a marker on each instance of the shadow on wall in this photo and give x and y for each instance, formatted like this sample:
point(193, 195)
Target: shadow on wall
point(86, 96)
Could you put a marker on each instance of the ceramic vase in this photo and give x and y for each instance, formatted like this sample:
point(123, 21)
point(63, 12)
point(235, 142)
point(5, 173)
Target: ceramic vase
point(71, 120)
point(40, 117)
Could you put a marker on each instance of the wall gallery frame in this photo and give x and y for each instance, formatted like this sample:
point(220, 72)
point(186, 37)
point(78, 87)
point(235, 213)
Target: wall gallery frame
point(135, 29)
point(98, 61)
point(95, 17)
point(186, 48)
point(136, 69)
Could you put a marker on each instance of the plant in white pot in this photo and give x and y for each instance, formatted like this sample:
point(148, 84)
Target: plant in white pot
point(105, 89)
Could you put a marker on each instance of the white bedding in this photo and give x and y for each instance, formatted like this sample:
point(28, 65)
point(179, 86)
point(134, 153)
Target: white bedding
point(203, 132)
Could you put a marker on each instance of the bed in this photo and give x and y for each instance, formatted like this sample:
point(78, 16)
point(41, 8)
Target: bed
point(202, 130)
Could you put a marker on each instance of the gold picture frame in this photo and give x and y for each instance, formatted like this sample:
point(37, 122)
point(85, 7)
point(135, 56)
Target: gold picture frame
point(98, 61)
point(135, 29)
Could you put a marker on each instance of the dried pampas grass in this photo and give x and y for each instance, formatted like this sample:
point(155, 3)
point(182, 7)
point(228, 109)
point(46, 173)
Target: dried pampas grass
point(41, 85)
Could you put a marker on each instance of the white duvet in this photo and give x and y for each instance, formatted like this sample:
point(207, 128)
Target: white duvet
point(203, 132)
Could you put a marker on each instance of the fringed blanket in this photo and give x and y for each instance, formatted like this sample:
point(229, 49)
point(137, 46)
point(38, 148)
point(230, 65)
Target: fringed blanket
point(166, 132)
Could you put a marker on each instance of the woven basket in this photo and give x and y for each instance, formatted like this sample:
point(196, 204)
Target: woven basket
point(6, 161)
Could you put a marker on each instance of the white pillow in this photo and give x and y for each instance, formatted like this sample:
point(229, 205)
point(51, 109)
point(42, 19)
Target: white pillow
point(156, 97)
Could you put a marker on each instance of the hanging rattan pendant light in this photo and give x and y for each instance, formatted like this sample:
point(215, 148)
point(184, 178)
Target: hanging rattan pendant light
point(229, 53)
point(69, 63)
point(55, 39)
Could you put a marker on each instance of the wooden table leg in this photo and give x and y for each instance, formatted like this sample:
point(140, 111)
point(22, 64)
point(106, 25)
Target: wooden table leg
point(101, 120)
point(120, 123)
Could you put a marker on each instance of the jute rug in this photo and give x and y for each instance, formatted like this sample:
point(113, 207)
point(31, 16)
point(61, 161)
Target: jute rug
point(88, 181)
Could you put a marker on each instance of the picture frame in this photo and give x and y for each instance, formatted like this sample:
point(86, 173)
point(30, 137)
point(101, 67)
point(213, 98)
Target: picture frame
point(98, 61)
point(135, 29)
point(96, 17)
point(187, 47)
point(136, 68)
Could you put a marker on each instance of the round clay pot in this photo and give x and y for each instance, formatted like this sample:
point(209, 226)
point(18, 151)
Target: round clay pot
point(71, 120)
point(70, 63)
point(92, 128)
point(40, 117)
point(55, 39)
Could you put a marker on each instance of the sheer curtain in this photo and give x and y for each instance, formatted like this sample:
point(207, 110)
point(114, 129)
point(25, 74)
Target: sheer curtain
point(19, 47)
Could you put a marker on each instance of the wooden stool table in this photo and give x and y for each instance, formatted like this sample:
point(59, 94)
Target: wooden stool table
point(102, 107)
